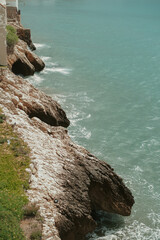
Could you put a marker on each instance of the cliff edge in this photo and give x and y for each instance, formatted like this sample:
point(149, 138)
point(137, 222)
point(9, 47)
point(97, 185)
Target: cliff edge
point(66, 181)
point(20, 58)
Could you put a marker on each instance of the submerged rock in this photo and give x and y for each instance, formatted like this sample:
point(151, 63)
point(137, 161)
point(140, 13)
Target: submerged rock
point(67, 182)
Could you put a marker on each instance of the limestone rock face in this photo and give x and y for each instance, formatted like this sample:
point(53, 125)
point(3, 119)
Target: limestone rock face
point(32, 101)
point(23, 61)
point(67, 182)
point(25, 35)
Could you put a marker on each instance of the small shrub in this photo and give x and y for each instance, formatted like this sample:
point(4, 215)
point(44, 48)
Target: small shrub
point(30, 210)
point(12, 37)
point(2, 140)
point(18, 148)
point(11, 29)
point(2, 118)
point(36, 235)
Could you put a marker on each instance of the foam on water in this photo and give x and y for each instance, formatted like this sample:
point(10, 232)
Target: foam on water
point(64, 71)
point(54, 67)
point(75, 116)
point(41, 45)
point(36, 79)
point(134, 231)
point(46, 59)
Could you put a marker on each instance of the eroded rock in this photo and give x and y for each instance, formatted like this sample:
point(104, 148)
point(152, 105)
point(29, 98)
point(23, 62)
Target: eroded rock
point(25, 35)
point(23, 61)
point(22, 95)
point(67, 182)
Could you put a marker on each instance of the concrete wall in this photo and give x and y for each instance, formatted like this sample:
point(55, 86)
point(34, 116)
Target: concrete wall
point(11, 14)
point(3, 22)
point(12, 3)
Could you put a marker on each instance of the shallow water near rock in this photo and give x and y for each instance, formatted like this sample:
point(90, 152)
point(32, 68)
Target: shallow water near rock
point(103, 66)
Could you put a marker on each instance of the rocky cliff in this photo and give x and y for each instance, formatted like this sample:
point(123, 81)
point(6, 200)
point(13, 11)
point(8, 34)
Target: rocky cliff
point(66, 181)
point(21, 60)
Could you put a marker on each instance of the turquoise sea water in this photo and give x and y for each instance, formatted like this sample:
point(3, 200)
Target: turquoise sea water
point(103, 65)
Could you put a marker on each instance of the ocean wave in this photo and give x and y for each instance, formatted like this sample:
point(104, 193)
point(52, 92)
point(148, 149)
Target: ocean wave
point(45, 58)
point(81, 132)
point(41, 45)
point(60, 98)
point(54, 69)
point(138, 169)
point(36, 79)
point(135, 231)
point(149, 143)
point(76, 113)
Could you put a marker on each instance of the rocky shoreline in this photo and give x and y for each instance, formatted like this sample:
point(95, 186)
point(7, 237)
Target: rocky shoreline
point(20, 59)
point(67, 182)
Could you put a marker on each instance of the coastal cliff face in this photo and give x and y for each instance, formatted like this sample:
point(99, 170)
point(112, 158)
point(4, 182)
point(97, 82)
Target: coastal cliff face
point(20, 59)
point(66, 181)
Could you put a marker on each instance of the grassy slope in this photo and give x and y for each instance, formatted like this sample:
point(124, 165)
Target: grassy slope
point(13, 181)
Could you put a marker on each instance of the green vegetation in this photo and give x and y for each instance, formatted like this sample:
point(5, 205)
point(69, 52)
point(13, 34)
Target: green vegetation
point(13, 182)
point(2, 117)
point(12, 37)
point(30, 210)
point(36, 235)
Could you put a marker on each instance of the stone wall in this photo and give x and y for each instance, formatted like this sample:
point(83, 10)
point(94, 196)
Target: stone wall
point(3, 20)
point(12, 14)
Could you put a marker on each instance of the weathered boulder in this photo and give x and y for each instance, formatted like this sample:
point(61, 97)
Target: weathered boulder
point(23, 61)
point(67, 182)
point(35, 61)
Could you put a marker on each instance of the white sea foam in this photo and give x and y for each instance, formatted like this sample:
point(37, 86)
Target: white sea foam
point(156, 119)
point(138, 169)
point(45, 58)
point(150, 128)
point(54, 69)
point(60, 98)
point(48, 63)
point(135, 231)
point(36, 79)
point(75, 114)
point(85, 133)
point(41, 45)
point(155, 218)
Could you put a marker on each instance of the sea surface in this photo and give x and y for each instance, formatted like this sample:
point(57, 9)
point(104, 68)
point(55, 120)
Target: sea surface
point(103, 66)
